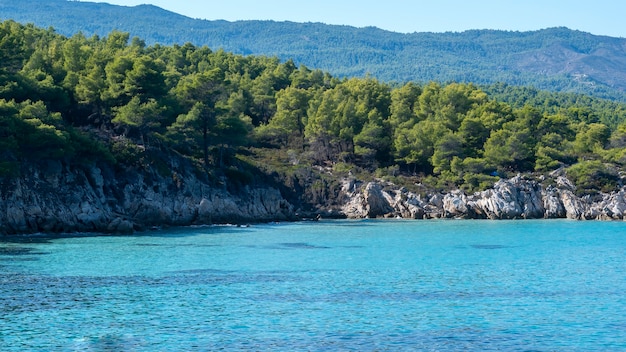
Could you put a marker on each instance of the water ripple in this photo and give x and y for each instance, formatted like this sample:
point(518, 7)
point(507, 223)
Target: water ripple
point(356, 286)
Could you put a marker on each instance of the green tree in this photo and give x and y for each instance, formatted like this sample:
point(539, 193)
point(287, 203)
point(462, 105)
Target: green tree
point(415, 146)
point(591, 138)
point(403, 104)
point(553, 151)
point(145, 79)
point(200, 92)
point(89, 92)
point(473, 135)
point(229, 133)
point(116, 72)
point(509, 150)
point(373, 143)
point(291, 116)
point(445, 149)
point(144, 118)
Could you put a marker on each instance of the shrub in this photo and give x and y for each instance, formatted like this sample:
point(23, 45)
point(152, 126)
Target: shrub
point(592, 176)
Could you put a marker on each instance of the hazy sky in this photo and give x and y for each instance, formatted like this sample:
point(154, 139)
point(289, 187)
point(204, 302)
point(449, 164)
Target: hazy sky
point(603, 17)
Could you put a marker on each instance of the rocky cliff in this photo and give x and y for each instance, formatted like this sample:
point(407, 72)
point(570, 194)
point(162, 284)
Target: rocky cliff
point(516, 198)
point(54, 197)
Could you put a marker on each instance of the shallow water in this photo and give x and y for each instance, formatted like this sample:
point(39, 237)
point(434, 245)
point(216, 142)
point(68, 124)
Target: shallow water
point(337, 285)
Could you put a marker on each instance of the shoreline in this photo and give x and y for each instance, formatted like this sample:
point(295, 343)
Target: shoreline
point(14, 238)
point(60, 199)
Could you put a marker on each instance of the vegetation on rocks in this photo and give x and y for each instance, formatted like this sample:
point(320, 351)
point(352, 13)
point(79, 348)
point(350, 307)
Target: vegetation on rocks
point(246, 119)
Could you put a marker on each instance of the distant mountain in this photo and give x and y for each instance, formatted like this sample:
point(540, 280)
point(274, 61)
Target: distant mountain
point(557, 59)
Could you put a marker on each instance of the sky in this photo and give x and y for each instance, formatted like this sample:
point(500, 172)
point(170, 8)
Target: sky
point(601, 17)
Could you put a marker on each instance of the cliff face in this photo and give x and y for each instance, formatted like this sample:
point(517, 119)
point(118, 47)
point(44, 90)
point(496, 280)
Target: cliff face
point(516, 198)
point(57, 198)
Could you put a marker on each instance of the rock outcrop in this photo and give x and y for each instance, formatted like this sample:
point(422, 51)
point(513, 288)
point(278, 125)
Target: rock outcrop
point(55, 197)
point(515, 198)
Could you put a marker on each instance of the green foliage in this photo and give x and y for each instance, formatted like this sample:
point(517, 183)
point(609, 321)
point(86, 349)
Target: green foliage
point(30, 131)
point(286, 128)
point(128, 153)
point(343, 168)
point(88, 149)
point(139, 117)
point(475, 182)
point(508, 150)
point(482, 57)
point(449, 147)
point(58, 93)
point(572, 107)
point(592, 176)
point(591, 138)
point(238, 177)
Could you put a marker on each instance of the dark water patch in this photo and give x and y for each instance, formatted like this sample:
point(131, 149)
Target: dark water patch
point(287, 246)
point(193, 231)
point(285, 297)
point(350, 223)
point(373, 339)
point(218, 278)
point(19, 251)
point(301, 245)
point(32, 293)
point(108, 343)
point(26, 239)
point(489, 246)
point(18, 259)
point(195, 245)
point(177, 232)
point(438, 296)
point(202, 271)
point(255, 246)
point(173, 245)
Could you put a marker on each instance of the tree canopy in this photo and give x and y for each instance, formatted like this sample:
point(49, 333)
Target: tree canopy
point(80, 99)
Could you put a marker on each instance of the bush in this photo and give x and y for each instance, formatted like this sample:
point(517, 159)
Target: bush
point(238, 177)
point(342, 168)
point(391, 171)
point(477, 182)
point(592, 176)
point(128, 153)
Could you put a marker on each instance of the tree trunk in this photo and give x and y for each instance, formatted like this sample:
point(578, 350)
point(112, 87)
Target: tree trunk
point(205, 144)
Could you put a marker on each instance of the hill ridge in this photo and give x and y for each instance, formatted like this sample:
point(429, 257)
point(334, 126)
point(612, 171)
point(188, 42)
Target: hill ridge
point(555, 59)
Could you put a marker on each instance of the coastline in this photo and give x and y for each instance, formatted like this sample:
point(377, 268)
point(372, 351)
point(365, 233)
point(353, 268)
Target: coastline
point(57, 198)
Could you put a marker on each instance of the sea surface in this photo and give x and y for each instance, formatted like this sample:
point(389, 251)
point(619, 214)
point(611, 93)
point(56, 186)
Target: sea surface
point(371, 285)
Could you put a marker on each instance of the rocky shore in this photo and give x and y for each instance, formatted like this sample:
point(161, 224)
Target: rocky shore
point(57, 198)
point(515, 198)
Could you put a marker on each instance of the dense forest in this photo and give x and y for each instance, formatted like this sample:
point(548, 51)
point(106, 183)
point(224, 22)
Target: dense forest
point(555, 59)
point(117, 100)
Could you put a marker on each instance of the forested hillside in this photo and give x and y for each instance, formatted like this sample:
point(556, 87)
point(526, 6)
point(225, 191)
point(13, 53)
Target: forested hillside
point(118, 101)
point(556, 59)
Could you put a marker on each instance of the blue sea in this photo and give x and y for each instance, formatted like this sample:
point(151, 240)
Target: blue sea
point(369, 285)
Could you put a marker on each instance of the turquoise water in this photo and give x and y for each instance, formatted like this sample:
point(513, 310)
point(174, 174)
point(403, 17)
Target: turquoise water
point(328, 286)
